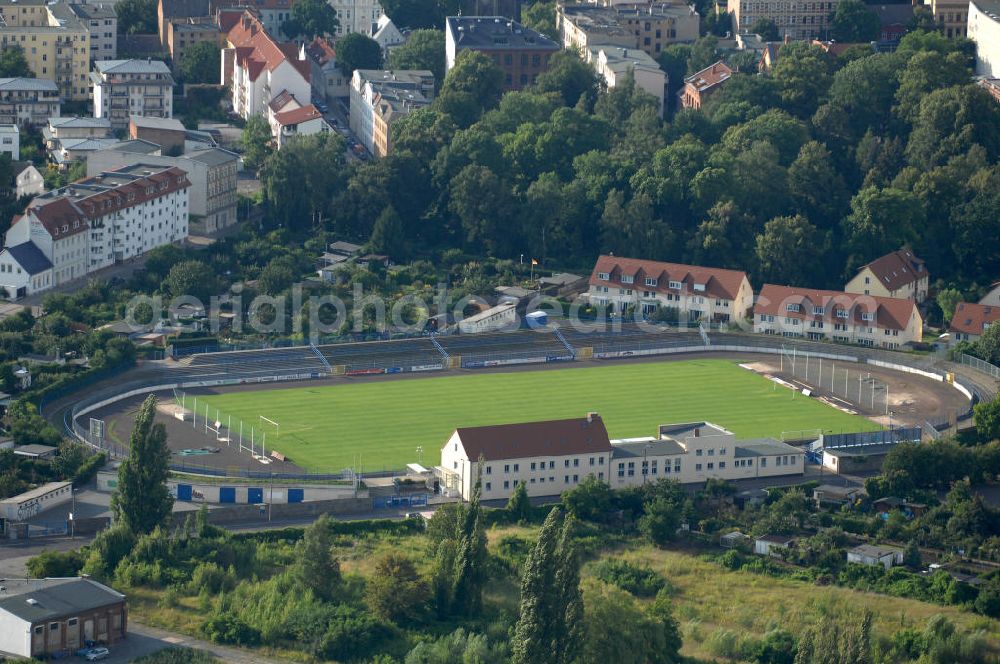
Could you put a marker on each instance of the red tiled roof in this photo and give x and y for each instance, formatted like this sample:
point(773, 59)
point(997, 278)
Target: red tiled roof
point(892, 313)
point(60, 218)
point(257, 50)
point(134, 193)
point(283, 99)
point(709, 76)
point(297, 116)
point(972, 318)
point(581, 435)
point(718, 282)
point(898, 269)
point(321, 51)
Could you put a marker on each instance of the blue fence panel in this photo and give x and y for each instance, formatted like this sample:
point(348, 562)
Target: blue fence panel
point(296, 495)
point(227, 494)
point(183, 492)
point(255, 496)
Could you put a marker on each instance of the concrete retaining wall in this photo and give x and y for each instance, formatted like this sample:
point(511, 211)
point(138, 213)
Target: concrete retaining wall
point(237, 514)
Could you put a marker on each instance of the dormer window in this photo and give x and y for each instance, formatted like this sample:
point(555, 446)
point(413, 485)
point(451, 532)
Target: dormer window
point(818, 311)
point(650, 281)
point(793, 307)
point(603, 276)
point(65, 228)
point(675, 285)
point(867, 315)
point(700, 288)
point(627, 278)
point(840, 313)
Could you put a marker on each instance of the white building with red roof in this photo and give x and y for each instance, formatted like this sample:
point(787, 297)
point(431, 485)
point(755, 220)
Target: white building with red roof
point(70, 232)
point(291, 119)
point(698, 293)
point(258, 68)
point(868, 320)
point(900, 274)
point(970, 320)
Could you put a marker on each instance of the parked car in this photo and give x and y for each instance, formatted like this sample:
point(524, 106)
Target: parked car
point(96, 654)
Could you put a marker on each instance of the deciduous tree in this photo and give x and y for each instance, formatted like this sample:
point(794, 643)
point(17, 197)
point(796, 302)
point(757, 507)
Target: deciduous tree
point(142, 501)
point(357, 51)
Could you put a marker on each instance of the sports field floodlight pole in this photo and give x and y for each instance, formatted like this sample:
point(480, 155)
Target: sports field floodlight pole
point(194, 414)
point(807, 367)
point(873, 394)
point(229, 431)
point(887, 400)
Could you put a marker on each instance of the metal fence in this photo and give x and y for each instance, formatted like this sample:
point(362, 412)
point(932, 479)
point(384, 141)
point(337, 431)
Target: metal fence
point(886, 436)
point(980, 365)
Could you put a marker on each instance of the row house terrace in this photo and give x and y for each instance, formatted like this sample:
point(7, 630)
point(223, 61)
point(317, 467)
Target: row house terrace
point(697, 293)
point(867, 320)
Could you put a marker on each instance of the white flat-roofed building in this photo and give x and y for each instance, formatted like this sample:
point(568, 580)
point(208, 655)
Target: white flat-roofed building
point(493, 319)
point(31, 503)
point(984, 30)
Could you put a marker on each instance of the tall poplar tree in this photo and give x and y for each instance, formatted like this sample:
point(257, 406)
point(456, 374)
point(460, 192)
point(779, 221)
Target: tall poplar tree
point(142, 501)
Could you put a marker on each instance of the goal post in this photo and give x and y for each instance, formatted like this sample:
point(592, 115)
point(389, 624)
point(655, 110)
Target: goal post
point(277, 427)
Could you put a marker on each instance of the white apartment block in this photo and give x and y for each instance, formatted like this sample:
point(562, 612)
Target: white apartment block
point(867, 320)
point(615, 64)
point(94, 223)
point(984, 30)
point(212, 173)
point(697, 293)
point(10, 141)
point(796, 19)
point(259, 68)
point(554, 456)
point(28, 102)
point(379, 98)
point(123, 88)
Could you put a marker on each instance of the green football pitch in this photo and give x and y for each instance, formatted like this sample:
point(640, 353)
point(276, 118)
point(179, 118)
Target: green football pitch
point(383, 422)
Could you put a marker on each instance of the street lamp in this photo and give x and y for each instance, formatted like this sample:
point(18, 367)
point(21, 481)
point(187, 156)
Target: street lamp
point(72, 521)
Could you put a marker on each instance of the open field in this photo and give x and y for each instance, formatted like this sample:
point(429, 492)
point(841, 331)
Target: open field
point(326, 427)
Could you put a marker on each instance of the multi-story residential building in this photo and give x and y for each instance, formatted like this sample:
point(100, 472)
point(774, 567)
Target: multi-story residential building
point(952, 16)
point(169, 10)
point(28, 102)
point(702, 84)
point(10, 141)
point(899, 274)
point(259, 68)
point(211, 172)
point(984, 30)
point(970, 321)
point(183, 34)
point(379, 98)
point(868, 320)
point(102, 22)
point(94, 223)
point(796, 19)
point(697, 293)
point(992, 297)
point(647, 26)
point(521, 53)
point(615, 64)
point(123, 88)
point(326, 78)
point(553, 456)
point(356, 15)
point(57, 48)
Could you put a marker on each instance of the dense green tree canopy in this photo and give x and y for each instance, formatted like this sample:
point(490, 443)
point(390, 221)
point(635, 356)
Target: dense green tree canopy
point(136, 17)
point(423, 50)
point(311, 18)
point(356, 51)
point(201, 63)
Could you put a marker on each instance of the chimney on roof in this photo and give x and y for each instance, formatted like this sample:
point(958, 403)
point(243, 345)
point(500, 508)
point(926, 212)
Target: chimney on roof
point(697, 432)
point(590, 417)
